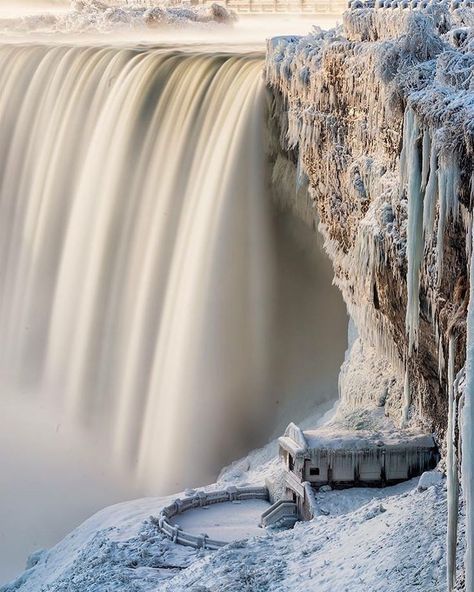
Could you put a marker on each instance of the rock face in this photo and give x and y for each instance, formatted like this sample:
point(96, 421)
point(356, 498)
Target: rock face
point(378, 117)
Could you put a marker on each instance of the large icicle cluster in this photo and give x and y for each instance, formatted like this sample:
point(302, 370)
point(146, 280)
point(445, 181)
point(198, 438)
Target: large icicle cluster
point(380, 116)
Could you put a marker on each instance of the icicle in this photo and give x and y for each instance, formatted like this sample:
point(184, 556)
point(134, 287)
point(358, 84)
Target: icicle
point(431, 193)
point(426, 159)
point(453, 180)
point(301, 178)
point(452, 472)
point(448, 181)
point(441, 363)
point(411, 170)
point(468, 440)
point(407, 126)
point(441, 223)
point(468, 225)
point(406, 398)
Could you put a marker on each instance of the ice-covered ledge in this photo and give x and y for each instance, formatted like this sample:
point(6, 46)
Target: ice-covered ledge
point(339, 108)
point(376, 118)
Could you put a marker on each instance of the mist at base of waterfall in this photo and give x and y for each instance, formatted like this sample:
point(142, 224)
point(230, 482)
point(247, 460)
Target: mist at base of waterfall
point(55, 474)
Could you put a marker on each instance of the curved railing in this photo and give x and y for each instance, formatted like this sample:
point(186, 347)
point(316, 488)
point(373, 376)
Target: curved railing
point(202, 498)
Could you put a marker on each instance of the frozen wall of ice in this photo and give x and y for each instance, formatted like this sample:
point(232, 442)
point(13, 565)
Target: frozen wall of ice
point(379, 116)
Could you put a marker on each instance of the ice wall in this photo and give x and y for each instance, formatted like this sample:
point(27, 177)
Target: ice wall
point(379, 114)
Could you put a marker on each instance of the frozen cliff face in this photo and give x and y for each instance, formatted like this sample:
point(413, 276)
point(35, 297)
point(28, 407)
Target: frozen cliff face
point(381, 124)
point(379, 116)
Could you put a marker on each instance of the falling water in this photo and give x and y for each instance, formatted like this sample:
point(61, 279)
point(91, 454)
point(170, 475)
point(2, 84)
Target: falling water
point(133, 244)
point(143, 289)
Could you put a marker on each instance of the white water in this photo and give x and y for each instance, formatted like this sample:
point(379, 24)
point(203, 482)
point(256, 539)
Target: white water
point(158, 317)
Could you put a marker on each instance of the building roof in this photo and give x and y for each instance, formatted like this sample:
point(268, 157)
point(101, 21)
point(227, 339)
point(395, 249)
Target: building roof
point(336, 438)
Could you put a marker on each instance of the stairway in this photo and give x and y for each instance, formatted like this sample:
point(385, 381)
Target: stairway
point(283, 514)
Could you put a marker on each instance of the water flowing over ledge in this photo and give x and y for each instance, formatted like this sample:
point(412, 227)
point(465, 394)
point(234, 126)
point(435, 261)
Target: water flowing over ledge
point(130, 253)
point(150, 288)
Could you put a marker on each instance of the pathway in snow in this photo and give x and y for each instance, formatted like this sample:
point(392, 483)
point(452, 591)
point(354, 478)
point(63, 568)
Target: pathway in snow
point(228, 521)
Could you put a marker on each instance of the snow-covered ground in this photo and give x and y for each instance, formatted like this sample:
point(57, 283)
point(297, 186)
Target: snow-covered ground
point(363, 540)
point(229, 521)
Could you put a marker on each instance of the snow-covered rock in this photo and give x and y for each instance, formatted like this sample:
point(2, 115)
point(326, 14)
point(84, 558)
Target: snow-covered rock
point(381, 126)
point(96, 16)
point(370, 540)
point(429, 479)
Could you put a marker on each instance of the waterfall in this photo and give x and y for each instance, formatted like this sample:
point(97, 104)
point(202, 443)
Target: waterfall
point(159, 315)
point(132, 271)
point(139, 289)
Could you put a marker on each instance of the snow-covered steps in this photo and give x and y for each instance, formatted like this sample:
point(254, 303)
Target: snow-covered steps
point(283, 513)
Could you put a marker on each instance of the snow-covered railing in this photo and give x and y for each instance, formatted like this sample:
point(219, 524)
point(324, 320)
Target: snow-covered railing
point(283, 512)
point(294, 484)
point(258, 6)
point(281, 6)
point(198, 500)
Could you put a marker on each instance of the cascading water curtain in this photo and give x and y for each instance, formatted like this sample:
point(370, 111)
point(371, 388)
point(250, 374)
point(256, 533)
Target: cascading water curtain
point(135, 249)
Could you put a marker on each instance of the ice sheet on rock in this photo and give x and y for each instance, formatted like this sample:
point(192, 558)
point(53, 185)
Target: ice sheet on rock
point(468, 440)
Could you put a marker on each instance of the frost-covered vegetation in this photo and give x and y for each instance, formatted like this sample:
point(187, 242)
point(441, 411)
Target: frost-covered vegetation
point(380, 115)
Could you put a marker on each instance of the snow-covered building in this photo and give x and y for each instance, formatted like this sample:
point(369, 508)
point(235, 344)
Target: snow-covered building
point(345, 459)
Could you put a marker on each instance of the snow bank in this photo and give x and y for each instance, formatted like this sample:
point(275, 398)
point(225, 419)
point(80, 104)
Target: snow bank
point(364, 540)
point(388, 545)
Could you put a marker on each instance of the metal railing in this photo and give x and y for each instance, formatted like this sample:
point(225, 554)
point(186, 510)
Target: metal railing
point(257, 6)
point(283, 6)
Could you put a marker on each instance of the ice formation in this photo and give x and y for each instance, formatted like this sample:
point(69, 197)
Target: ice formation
point(397, 225)
point(95, 15)
point(468, 441)
point(414, 176)
point(452, 473)
point(396, 80)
